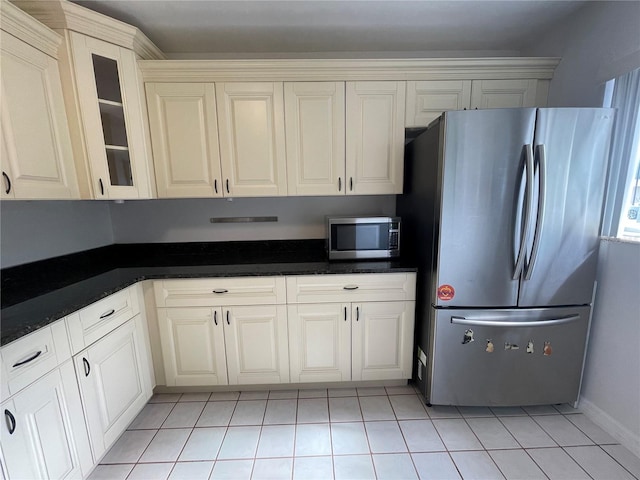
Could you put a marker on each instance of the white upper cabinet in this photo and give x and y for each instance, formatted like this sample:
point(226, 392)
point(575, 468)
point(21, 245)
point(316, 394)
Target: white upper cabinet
point(184, 136)
point(375, 137)
point(37, 158)
point(103, 96)
point(252, 138)
point(504, 93)
point(315, 131)
point(427, 100)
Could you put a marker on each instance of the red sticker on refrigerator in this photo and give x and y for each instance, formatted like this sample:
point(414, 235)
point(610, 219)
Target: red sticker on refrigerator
point(446, 292)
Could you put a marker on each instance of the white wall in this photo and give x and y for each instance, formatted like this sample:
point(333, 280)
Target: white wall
point(611, 386)
point(602, 41)
point(35, 230)
point(187, 220)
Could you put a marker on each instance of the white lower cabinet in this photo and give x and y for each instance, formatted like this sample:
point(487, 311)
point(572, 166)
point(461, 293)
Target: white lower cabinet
point(256, 343)
point(193, 346)
point(114, 385)
point(382, 340)
point(320, 342)
point(224, 345)
point(44, 434)
point(349, 341)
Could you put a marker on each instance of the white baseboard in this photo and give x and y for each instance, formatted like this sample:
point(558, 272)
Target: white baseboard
point(629, 439)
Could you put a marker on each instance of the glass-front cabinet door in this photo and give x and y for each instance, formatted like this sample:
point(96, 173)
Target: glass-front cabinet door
point(111, 104)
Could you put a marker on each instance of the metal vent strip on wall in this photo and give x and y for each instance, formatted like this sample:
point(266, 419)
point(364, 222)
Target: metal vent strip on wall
point(243, 219)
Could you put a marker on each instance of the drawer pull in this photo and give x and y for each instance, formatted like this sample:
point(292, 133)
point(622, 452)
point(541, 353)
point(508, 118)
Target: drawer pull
point(107, 314)
point(357, 314)
point(350, 287)
point(221, 290)
point(215, 317)
point(11, 421)
point(87, 367)
point(345, 314)
point(30, 359)
point(228, 322)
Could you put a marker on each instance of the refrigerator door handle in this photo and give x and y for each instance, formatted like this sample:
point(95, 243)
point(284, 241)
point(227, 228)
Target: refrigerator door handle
point(542, 179)
point(528, 172)
point(484, 322)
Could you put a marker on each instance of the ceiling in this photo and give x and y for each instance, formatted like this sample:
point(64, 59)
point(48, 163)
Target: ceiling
point(337, 28)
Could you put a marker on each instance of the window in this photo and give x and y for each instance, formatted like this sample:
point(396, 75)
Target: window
point(622, 211)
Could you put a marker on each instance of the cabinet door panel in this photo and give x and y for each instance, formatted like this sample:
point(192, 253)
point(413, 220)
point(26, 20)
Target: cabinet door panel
point(252, 146)
point(37, 155)
point(382, 340)
point(256, 344)
point(375, 137)
point(113, 384)
point(193, 346)
point(320, 342)
point(315, 133)
point(112, 120)
point(49, 440)
point(503, 93)
point(427, 100)
point(184, 135)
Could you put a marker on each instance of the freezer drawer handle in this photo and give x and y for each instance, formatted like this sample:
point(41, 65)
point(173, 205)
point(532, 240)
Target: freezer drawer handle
point(481, 322)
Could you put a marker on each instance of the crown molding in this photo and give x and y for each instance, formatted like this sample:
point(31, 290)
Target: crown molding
point(23, 26)
point(64, 15)
point(540, 68)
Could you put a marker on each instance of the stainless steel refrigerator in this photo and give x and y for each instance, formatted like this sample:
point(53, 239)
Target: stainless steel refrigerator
point(502, 209)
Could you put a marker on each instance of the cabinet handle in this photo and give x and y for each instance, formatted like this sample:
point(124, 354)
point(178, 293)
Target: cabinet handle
point(11, 421)
point(228, 322)
point(30, 359)
point(357, 314)
point(228, 186)
point(350, 287)
point(220, 290)
point(351, 183)
point(8, 180)
point(345, 314)
point(107, 314)
point(215, 317)
point(101, 186)
point(339, 184)
point(215, 185)
point(87, 367)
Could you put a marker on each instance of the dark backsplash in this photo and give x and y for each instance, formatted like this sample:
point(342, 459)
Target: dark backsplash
point(26, 281)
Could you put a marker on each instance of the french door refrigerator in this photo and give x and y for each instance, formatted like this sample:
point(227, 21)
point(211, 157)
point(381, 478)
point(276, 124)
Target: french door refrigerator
point(503, 209)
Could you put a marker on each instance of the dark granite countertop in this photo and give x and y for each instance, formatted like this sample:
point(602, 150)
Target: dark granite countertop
point(36, 294)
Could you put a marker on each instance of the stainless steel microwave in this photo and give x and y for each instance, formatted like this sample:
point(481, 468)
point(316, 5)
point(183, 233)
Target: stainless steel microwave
point(351, 238)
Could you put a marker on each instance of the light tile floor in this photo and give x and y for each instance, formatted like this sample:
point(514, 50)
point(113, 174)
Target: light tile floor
point(365, 433)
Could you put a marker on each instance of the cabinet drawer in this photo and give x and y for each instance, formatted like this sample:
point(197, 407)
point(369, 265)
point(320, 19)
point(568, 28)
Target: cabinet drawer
point(95, 321)
point(30, 357)
point(378, 287)
point(213, 292)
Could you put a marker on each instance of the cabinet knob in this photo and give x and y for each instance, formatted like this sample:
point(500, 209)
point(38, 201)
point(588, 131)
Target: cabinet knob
point(8, 182)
